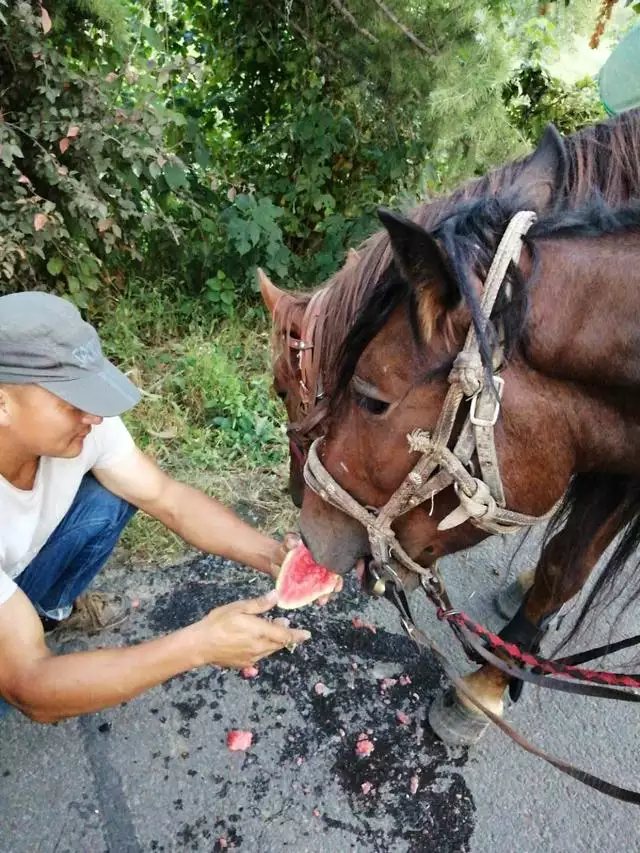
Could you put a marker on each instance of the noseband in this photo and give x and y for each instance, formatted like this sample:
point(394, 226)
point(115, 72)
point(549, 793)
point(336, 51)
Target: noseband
point(482, 499)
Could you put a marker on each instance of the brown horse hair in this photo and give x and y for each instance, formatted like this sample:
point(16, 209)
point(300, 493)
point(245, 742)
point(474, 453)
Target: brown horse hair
point(592, 500)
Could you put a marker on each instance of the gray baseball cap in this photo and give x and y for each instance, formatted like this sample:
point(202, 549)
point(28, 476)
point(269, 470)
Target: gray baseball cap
point(44, 341)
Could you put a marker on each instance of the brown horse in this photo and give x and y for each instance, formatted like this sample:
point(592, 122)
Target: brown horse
point(569, 361)
point(568, 424)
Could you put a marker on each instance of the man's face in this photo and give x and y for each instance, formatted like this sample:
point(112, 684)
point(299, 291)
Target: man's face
point(42, 424)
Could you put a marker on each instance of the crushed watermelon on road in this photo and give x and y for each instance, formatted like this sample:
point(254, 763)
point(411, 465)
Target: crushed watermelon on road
point(364, 747)
point(250, 672)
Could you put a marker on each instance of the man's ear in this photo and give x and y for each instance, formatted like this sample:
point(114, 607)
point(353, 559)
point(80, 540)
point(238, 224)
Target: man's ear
point(5, 406)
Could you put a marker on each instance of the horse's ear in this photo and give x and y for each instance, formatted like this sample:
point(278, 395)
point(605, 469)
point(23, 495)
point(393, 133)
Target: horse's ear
point(545, 175)
point(272, 295)
point(419, 258)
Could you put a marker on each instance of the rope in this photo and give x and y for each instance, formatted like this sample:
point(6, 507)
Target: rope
point(540, 664)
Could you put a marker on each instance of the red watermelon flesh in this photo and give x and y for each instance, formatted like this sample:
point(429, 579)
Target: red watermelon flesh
point(302, 580)
point(238, 740)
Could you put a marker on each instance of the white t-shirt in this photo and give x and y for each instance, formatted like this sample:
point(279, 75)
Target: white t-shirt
point(28, 518)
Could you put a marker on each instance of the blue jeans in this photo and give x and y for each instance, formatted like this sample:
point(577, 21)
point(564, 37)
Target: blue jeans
point(75, 552)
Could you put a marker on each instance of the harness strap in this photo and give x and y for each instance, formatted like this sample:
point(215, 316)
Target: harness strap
point(550, 682)
point(485, 408)
point(472, 641)
point(583, 776)
point(599, 651)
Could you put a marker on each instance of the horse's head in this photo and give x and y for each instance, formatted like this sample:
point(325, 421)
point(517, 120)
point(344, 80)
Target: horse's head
point(304, 324)
point(287, 313)
point(392, 380)
point(322, 319)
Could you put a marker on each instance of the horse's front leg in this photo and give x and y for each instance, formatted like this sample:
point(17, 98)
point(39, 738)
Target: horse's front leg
point(453, 717)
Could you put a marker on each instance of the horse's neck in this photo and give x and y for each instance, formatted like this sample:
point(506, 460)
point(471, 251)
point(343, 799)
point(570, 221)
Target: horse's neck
point(584, 322)
point(584, 328)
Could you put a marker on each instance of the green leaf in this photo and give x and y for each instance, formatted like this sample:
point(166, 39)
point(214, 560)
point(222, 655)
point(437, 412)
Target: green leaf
point(253, 232)
point(244, 202)
point(202, 156)
point(174, 176)
point(73, 284)
point(55, 265)
point(154, 38)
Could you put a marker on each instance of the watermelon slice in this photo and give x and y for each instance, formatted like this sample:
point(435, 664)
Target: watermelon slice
point(302, 580)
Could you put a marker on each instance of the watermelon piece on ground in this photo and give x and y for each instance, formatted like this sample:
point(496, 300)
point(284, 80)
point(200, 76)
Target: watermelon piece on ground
point(364, 746)
point(250, 672)
point(238, 740)
point(301, 580)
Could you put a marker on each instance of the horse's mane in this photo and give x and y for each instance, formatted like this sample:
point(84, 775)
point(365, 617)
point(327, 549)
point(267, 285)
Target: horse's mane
point(603, 158)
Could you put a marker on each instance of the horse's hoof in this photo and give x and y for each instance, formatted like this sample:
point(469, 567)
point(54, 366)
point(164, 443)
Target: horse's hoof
point(455, 723)
point(510, 597)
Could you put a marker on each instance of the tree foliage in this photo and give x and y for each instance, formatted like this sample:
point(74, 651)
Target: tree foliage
point(195, 140)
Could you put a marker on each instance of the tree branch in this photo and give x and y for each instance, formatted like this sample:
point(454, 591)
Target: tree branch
point(347, 14)
point(387, 11)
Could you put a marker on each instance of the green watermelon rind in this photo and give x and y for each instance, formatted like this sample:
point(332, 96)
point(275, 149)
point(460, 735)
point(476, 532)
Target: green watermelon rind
point(324, 584)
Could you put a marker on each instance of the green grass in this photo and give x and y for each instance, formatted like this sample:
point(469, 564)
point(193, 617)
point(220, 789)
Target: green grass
point(207, 415)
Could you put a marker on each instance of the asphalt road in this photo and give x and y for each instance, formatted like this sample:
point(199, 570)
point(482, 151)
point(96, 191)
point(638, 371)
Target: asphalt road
point(156, 775)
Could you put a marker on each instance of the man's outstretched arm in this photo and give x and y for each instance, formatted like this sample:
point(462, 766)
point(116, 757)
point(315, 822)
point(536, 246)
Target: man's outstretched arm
point(48, 687)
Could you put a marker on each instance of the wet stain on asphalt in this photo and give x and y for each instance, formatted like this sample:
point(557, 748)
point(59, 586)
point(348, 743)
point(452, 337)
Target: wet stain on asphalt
point(407, 795)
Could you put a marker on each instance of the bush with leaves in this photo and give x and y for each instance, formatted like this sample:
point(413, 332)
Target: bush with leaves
point(194, 141)
point(86, 167)
point(326, 110)
point(534, 98)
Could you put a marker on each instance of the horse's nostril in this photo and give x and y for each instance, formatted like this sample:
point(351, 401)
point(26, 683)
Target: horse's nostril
point(429, 549)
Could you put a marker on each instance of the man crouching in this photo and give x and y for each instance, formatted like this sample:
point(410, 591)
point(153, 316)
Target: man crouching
point(71, 478)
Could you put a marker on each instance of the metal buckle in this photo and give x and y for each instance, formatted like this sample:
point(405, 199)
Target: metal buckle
point(498, 382)
point(299, 345)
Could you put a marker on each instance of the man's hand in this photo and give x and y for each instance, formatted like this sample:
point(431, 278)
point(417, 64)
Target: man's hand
point(290, 542)
point(234, 636)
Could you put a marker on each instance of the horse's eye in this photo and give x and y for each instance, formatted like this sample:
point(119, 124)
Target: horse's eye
point(370, 404)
